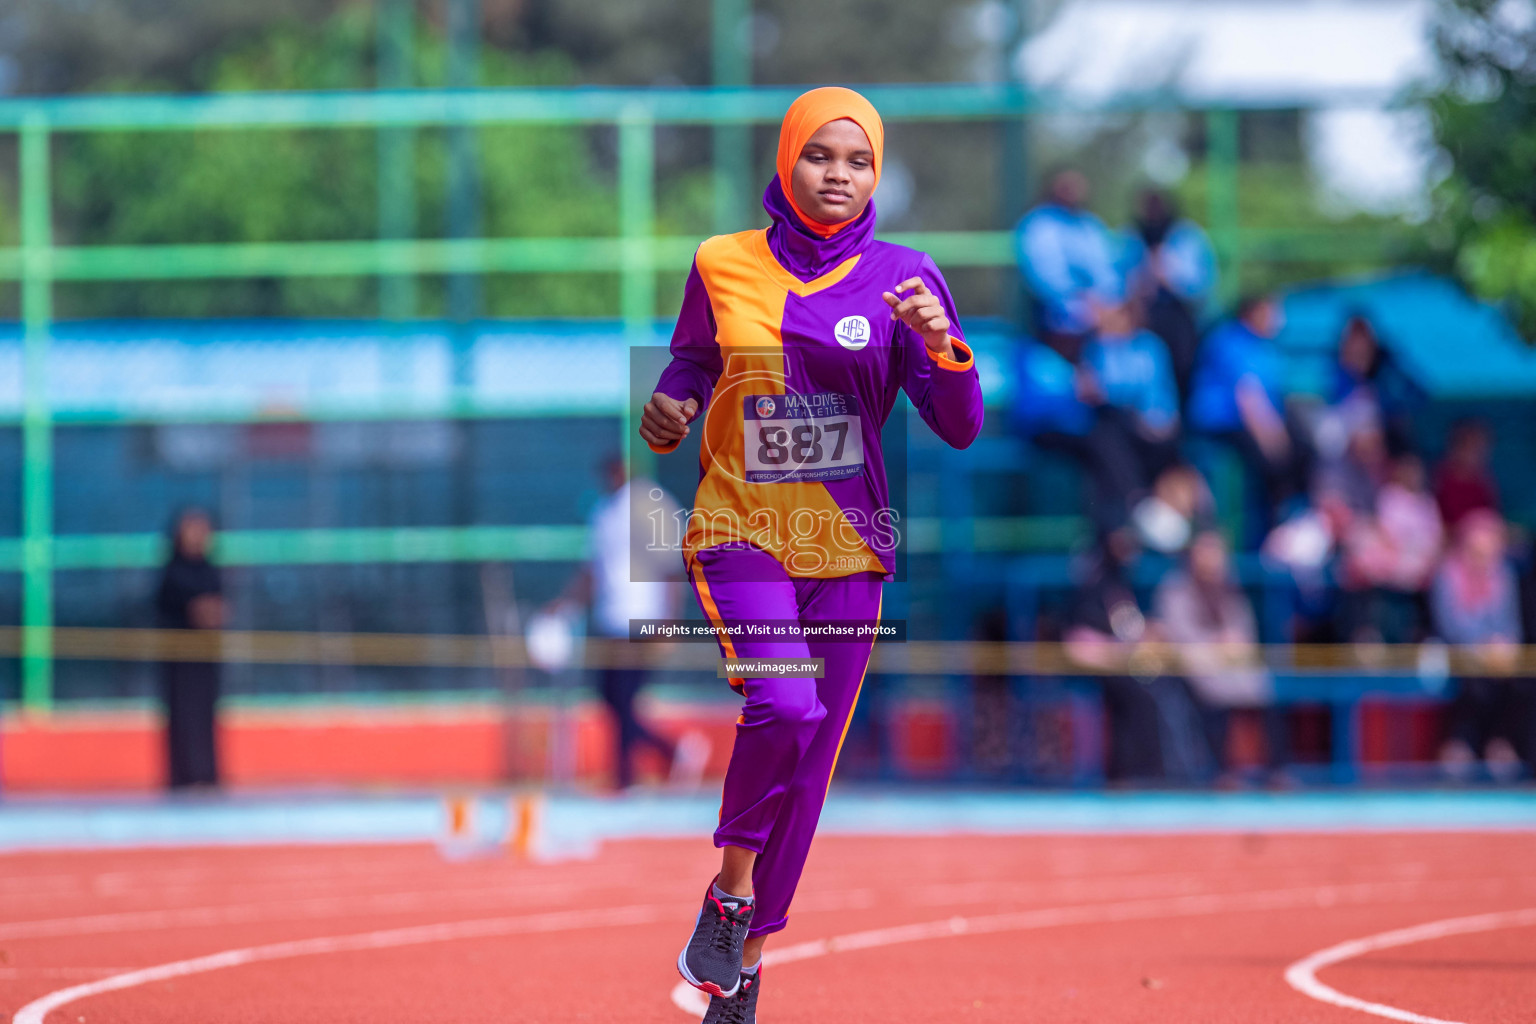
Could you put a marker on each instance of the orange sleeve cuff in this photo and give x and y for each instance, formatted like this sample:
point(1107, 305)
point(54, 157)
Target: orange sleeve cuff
point(959, 366)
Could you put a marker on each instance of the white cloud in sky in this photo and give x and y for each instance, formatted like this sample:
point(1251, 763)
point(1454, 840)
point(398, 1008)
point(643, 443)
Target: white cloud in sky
point(1349, 55)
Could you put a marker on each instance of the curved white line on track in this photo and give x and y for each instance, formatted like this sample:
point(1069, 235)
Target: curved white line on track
point(566, 920)
point(690, 1000)
point(280, 910)
point(37, 1011)
point(1302, 975)
point(15, 973)
point(693, 1002)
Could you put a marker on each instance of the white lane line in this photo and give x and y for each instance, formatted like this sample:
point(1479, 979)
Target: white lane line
point(691, 1001)
point(483, 897)
point(566, 920)
point(283, 910)
point(362, 880)
point(1302, 975)
point(95, 882)
point(13, 973)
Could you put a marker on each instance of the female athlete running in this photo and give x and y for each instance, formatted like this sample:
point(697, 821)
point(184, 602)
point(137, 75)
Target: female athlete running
point(791, 345)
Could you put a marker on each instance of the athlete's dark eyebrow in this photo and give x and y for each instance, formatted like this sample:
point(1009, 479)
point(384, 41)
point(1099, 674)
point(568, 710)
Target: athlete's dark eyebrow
point(867, 154)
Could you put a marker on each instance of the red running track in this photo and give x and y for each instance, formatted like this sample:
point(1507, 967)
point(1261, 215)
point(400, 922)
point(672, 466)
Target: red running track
point(1055, 929)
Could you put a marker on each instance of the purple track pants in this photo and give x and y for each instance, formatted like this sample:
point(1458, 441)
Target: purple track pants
point(791, 729)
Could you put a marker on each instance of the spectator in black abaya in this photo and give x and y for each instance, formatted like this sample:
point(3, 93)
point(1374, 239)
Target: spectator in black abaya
point(1367, 393)
point(1106, 626)
point(190, 597)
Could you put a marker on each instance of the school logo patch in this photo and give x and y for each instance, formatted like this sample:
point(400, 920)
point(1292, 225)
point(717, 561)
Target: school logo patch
point(852, 333)
point(765, 407)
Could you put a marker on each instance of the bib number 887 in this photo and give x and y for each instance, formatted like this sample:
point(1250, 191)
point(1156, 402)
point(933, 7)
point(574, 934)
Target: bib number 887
point(800, 445)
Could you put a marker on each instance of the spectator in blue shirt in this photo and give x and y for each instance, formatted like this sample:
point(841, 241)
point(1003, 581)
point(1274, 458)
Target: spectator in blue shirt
point(1115, 410)
point(1172, 269)
point(1129, 380)
point(1048, 394)
point(1238, 395)
point(1134, 372)
point(1068, 260)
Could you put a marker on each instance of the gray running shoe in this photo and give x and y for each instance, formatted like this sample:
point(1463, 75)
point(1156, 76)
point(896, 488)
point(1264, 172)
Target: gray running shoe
point(740, 1008)
point(711, 962)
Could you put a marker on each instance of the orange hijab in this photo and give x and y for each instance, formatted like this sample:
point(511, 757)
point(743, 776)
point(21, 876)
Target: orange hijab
point(804, 118)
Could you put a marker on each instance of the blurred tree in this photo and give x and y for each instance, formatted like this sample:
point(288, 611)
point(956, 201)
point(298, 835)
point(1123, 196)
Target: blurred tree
point(56, 47)
point(1484, 118)
point(227, 186)
point(1279, 197)
point(126, 188)
point(659, 42)
point(636, 42)
point(864, 41)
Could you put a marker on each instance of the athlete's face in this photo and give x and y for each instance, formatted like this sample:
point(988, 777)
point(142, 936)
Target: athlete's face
point(835, 175)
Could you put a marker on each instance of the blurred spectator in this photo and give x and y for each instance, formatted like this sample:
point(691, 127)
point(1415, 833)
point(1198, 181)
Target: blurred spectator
point(1238, 395)
point(993, 746)
point(1390, 557)
point(1173, 270)
point(1050, 409)
point(1105, 632)
point(1354, 479)
point(1366, 392)
point(1115, 411)
point(1058, 406)
point(1067, 258)
point(1132, 371)
point(1528, 597)
point(1475, 609)
point(1106, 624)
point(190, 596)
point(1126, 375)
point(1047, 400)
point(1463, 482)
point(1180, 505)
point(1201, 608)
point(632, 575)
point(1344, 495)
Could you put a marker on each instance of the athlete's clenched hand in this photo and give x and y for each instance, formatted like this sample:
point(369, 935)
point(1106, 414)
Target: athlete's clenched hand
point(922, 311)
point(665, 420)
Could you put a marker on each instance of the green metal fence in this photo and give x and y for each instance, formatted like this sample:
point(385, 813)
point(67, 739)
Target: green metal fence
point(635, 252)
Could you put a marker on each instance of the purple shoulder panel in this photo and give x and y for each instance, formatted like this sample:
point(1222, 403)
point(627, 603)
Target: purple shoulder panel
point(696, 364)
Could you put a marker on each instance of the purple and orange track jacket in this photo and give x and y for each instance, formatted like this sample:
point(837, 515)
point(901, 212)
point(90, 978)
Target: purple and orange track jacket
point(795, 373)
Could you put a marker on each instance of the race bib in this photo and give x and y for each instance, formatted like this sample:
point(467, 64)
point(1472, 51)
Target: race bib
point(801, 437)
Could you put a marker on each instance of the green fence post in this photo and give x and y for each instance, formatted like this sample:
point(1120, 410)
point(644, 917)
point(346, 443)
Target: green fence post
point(637, 226)
point(1015, 184)
point(1223, 161)
point(465, 220)
point(732, 66)
point(637, 223)
point(37, 426)
point(396, 153)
